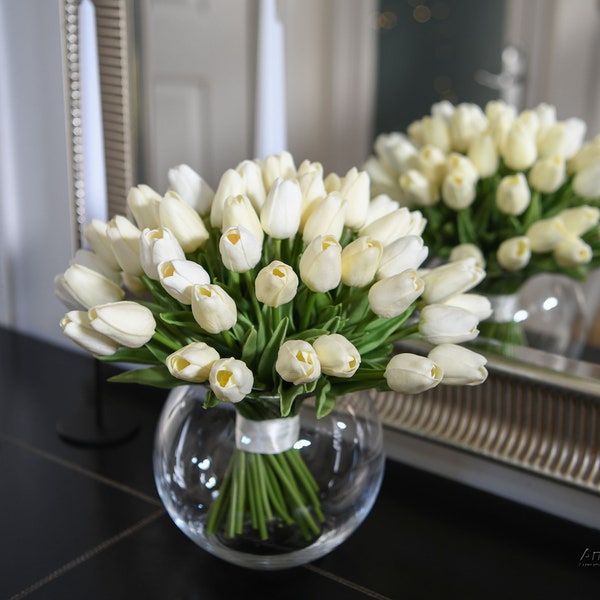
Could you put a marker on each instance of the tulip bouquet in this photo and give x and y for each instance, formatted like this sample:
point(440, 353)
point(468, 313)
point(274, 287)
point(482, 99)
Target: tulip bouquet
point(518, 192)
point(280, 285)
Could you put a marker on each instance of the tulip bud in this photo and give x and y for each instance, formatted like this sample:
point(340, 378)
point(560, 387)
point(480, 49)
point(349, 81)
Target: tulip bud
point(178, 277)
point(450, 279)
point(546, 114)
point(444, 109)
point(457, 163)
point(548, 174)
point(407, 253)
point(278, 166)
point(252, 178)
point(458, 190)
point(356, 192)
point(442, 324)
point(587, 182)
point(280, 214)
point(321, 264)
point(416, 223)
point(89, 259)
point(587, 155)
point(382, 180)
point(128, 323)
point(380, 206)
point(213, 308)
point(501, 117)
point(390, 227)
point(530, 120)
point(431, 161)
point(580, 219)
point(544, 235)
point(519, 151)
point(156, 246)
point(326, 218)
point(436, 133)
point(124, 238)
point(231, 184)
point(484, 155)
point(460, 366)
point(95, 234)
point(276, 284)
point(360, 260)
point(313, 192)
point(415, 133)
point(467, 122)
point(307, 167)
point(192, 362)
point(240, 250)
point(563, 139)
point(183, 222)
point(297, 362)
point(191, 188)
point(230, 380)
point(338, 356)
point(408, 373)
point(515, 253)
point(395, 151)
point(513, 194)
point(143, 202)
point(476, 304)
point(572, 252)
point(417, 189)
point(332, 183)
point(76, 326)
point(462, 251)
point(392, 296)
point(238, 210)
point(80, 287)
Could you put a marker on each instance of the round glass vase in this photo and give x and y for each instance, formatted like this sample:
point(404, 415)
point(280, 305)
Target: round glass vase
point(270, 510)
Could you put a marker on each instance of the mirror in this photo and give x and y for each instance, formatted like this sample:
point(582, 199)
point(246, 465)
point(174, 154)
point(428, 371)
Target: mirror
point(538, 411)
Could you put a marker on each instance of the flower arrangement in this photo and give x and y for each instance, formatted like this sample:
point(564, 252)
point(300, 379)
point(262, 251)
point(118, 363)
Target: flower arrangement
point(519, 192)
point(281, 284)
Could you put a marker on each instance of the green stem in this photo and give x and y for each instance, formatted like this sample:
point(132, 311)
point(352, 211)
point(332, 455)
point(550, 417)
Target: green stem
point(163, 339)
point(308, 309)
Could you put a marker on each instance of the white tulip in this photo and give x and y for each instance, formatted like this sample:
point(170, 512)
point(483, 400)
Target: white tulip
point(415, 133)
point(395, 151)
point(281, 212)
point(476, 304)
point(544, 235)
point(382, 180)
point(156, 246)
point(520, 150)
point(458, 190)
point(548, 174)
point(76, 326)
point(238, 210)
point(417, 189)
point(297, 362)
point(460, 366)
point(392, 296)
point(462, 251)
point(572, 252)
point(95, 234)
point(252, 178)
point(276, 284)
point(588, 154)
point(326, 218)
point(143, 202)
point(337, 355)
point(309, 167)
point(183, 222)
point(128, 323)
point(380, 206)
point(213, 308)
point(192, 362)
point(332, 183)
point(407, 253)
point(230, 380)
point(313, 192)
point(390, 227)
point(278, 166)
point(587, 182)
point(360, 261)
point(546, 114)
point(436, 133)
point(409, 373)
point(230, 184)
point(442, 324)
point(483, 153)
point(457, 163)
point(444, 109)
point(450, 279)
point(321, 264)
point(191, 188)
point(240, 250)
point(563, 139)
point(513, 194)
point(178, 277)
point(530, 120)
point(580, 219)
point(501, 117)
point(416, 223)
point(89, 259)
point(356, 192)
point(466, 123)
point(514, 254)
point(124, 238)
point(431, 161)
point(80, 287)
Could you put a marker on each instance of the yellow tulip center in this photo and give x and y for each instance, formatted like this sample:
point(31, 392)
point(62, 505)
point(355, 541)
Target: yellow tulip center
point(223, 378)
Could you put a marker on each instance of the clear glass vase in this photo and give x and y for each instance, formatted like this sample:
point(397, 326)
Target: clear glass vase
point(341, 460)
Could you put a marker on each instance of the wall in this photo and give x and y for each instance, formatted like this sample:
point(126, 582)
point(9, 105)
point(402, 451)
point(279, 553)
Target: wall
point(35, 223)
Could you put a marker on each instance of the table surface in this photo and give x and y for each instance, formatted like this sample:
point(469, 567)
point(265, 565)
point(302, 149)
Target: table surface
point(85, 522)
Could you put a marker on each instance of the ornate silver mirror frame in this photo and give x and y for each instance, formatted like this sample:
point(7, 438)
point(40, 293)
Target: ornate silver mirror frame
point(537, 412)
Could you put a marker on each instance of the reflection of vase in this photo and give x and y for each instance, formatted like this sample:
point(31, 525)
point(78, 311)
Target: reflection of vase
point(503, 329)
point(340, 454)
